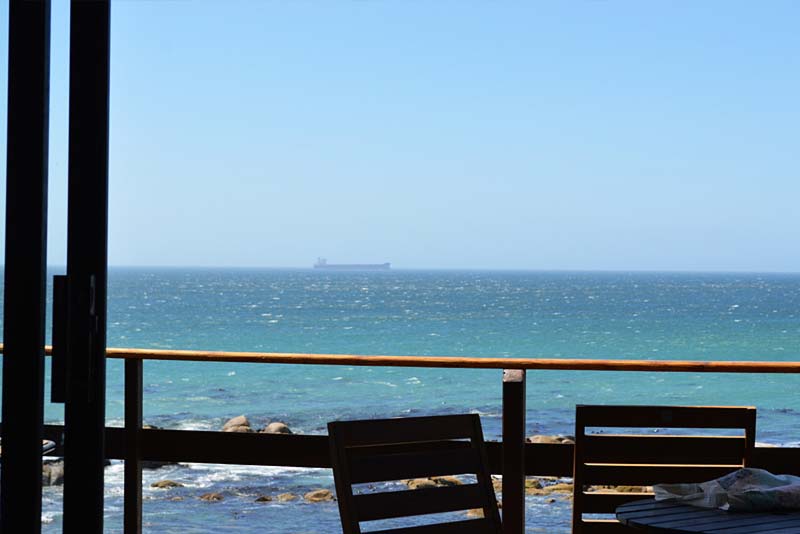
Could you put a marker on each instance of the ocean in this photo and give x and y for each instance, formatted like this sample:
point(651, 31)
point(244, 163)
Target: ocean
point(698, 316)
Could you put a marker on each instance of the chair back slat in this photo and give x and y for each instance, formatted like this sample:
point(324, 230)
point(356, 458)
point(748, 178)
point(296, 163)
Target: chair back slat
point(475, 526)
point(392, 504)
point(412, 448)
point(612, 469)
point(666, 416)
point(661, 449)
point(406, 429)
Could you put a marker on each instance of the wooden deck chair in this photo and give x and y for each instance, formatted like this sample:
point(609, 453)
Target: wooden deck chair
point(612, 460)
point(378, 451)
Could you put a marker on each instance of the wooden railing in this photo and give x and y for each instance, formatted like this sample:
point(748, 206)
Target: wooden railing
point(513, 458)
point(553, 364)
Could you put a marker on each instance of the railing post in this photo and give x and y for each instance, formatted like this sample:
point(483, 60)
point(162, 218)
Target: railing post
point(133, 446)
point(513, 451)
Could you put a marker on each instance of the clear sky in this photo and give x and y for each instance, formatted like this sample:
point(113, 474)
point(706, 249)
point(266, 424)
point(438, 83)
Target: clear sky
point(448, 134)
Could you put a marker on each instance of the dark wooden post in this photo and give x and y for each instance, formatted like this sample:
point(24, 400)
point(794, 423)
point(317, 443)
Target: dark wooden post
point(25, 265)
point(87, 266)
point(133, 446)
point(513, 451)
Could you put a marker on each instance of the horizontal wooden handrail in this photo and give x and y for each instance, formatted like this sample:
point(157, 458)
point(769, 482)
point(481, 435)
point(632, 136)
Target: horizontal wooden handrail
point(459, 362)
point(307, 450)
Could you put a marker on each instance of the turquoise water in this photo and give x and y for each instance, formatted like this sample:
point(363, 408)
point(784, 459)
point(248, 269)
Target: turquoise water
point(483, 314)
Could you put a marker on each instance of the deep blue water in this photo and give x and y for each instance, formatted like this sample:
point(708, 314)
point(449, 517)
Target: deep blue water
point(484, 314)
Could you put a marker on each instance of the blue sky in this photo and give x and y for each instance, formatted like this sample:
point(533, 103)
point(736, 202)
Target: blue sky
point(618, 135)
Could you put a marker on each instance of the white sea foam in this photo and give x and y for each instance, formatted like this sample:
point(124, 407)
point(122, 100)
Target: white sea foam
point(195, 424)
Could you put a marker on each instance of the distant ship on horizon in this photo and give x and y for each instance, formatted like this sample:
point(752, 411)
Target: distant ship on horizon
point(322, 263)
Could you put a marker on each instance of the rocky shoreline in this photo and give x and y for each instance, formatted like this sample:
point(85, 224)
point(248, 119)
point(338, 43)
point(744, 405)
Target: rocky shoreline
point(552, 488)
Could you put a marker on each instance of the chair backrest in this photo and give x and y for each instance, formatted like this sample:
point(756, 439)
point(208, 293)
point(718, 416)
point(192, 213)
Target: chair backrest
point(607, 465)
point(389, 451)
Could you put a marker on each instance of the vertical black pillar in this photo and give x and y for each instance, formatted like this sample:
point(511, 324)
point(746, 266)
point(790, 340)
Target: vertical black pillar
point(25, 265)
point(133, 446)
point(87, 244)
point(514, 451)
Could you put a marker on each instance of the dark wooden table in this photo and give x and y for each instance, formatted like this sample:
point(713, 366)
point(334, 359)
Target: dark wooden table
point(654, 516)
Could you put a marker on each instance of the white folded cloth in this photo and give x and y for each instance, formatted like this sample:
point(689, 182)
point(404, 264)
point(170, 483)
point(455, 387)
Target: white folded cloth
point(744, 490)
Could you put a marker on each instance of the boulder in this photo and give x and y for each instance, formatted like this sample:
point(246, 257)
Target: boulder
point(561, 487)
point(53, 473)
point(276, 428)
point(432, 482)
point(542, 438)
point(263, 498)
point(237, 424)
point(446, 481)
point(319, 495)
point(241, 429)
point(212, 497)
point(533, 483)
point(419, 483)
point(166, 484)
point(286, 497)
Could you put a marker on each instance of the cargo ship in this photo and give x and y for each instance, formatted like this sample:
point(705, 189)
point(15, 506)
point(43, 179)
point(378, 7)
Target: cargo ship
point(322, 263)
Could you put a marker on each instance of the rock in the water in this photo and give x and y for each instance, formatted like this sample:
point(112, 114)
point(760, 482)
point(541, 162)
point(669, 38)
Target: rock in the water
point(446, 481)
point(420, 483)
point(239, 420)
point(541, 438)
point(432, 482)
point(320, 495)
point(237, 424)
point(276, 428)
point(561, 487)
point(53, 473)
point(242, 429)
point(213, 496)
point(166, 484)
point(533, 483)
point(285, 497)
point(264, 498)
point(475, 513)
